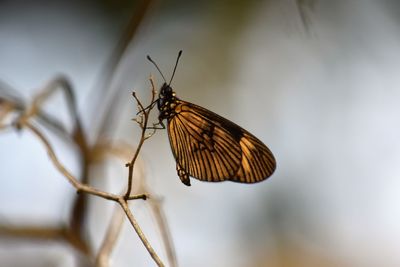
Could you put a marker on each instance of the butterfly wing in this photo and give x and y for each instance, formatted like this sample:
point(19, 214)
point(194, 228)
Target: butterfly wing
point(211, 148)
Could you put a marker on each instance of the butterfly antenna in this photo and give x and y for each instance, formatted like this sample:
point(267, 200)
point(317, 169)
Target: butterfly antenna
point(149, 58)
point(176, 64)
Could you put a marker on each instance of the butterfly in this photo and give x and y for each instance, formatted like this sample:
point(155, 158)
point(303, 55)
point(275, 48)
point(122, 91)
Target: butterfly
point(207, 146)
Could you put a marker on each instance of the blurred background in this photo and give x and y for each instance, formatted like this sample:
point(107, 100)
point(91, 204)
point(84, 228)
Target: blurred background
point(317, 81)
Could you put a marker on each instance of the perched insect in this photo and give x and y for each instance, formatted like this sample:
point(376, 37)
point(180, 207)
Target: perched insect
point(207, 146)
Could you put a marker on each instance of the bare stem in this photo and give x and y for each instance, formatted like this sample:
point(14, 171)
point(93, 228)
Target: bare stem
point(165, 233)
point(143, 125)
point(139, 232)
point(75, 183)
point(45, 233)
point(122, 200)
point(112, 234)
point(93, 191)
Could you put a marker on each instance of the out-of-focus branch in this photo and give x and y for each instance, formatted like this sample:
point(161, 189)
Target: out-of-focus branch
point(102, 86)
point(104, 148)
point(123, 151)
point(305, 9)
point(24, 121)
point(93, 191)
point(75, 183)
point(45, 233)
point(5, 109)
point(111, 237)
point(122, 200)
point(165, 233)
point(72, 232)
point(139, 232)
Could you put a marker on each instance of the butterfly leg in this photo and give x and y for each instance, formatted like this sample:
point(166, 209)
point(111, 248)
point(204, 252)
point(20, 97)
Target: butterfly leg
point(148, 107)
point(183, 175)
point(157, 126)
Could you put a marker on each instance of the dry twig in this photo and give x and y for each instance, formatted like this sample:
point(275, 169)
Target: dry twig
point(144, 115)
point(111, 237)
point(25, 122)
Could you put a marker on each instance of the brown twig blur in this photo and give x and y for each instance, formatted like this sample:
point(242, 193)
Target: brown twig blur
point(110, 238)
point(15, 114)
point(25, 121)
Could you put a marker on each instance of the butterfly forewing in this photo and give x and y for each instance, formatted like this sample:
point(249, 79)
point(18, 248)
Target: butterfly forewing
point(211, 148)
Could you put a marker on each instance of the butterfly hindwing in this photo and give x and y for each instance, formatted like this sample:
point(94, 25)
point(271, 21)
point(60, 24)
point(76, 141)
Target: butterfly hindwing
point(211, 148)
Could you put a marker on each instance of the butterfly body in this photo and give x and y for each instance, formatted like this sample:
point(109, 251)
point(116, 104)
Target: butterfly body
point(166, 102)
point(209, 147)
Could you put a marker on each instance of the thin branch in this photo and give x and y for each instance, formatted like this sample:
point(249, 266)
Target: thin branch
point(113, 232)
point(122, 151)
point(11, 96)
point(33, 232)
point(24, 121)
point(165, 233)
point(102, 86)
point(143, 125)
point(134, 223)
point(45, 233)
point(6, 108)
point(90, 190)
point(104, 148)
point(35, 109)
point(305, 9)
point(139, 196)
point(75, 183)
point(72, 234)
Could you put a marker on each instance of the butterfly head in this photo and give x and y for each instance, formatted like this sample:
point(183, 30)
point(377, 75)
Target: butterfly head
point(166, 97)
point(166, 101)
point(166, 91)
